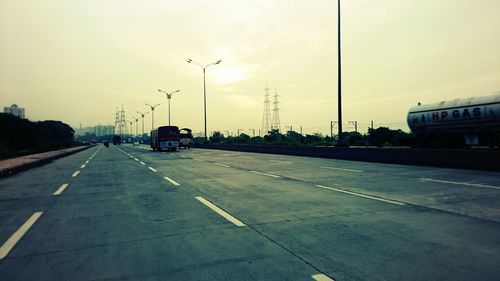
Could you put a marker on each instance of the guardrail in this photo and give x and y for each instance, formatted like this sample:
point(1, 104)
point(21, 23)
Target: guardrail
point(462, 159)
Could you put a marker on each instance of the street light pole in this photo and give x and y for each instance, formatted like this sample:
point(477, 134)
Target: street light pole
point(142, 116)
point(204, 88)
point(152, 115)
point(169, 97)
point(340, 140)
point(136, 120)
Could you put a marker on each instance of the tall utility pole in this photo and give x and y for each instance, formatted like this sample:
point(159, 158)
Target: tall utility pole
point(152, 115)
point(266, 118)
point(142, 116)
point(332, 123)
point(253, 130)
point(169, 97)
point(355, 123)
point(204, 88)
point(340, 140)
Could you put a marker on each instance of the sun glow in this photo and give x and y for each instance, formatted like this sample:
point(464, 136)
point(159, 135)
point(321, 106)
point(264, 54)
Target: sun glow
point(228, 75)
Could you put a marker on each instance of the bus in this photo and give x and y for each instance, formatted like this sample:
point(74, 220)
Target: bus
point(186, 138)
point(165, 138)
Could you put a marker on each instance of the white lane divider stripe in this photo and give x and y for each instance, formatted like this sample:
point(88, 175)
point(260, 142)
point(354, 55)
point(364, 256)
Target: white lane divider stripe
point(219, 211)
point(152, 169)
point(142, 163)
point(222, 165)
point(61, 189)
point(82, 166)
point(136, 159)
point(461, 183)
point(12, 241)
point(86, 162)
point(264, 174)
point(362, 195)
point(171, 181)
point(341, 169)
point(321, 277)
point(75, 174)
point(199, 160)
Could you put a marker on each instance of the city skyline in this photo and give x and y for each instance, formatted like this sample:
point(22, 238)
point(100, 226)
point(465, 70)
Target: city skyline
point(77, 62)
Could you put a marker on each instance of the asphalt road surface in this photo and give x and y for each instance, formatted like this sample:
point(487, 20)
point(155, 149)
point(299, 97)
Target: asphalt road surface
point(127, 213)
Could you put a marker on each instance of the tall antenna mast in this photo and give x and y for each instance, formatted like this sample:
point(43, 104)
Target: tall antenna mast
point(266, 119)
point(275, 125)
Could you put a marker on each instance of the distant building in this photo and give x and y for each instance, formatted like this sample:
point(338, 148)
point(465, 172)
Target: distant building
point(14, 110)
point(98, 130)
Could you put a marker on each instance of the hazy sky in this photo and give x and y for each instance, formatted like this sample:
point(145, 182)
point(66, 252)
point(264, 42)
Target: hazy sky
point(78, 60)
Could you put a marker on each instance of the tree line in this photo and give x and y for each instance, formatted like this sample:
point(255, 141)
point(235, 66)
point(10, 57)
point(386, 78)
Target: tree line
point(21, 136)
point(379, 137)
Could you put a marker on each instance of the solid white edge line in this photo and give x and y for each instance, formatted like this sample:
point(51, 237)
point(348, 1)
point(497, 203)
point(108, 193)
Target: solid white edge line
point(222, 165)
point(171, 181)
point(341, 169)
point(282, 162)
point(321, 277)
point(152, 169)
point(219, 211)
point(61, 189)
point(461, 183)
point(362, 195)
point(264, 174)
point(75, 174)
point(12, 241)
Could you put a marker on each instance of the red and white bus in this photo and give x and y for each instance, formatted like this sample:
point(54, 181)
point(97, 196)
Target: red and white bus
point(165, 138)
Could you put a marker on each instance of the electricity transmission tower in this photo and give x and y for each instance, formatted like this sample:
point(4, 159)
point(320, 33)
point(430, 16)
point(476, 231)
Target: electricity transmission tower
point(120, 122)
point(275, 124)
point(266, 119)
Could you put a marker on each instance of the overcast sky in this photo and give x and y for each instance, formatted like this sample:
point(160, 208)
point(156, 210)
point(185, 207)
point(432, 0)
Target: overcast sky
point(78, 60)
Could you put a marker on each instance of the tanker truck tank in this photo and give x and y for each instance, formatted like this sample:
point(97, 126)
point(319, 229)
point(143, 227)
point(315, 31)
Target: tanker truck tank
point(476, 117)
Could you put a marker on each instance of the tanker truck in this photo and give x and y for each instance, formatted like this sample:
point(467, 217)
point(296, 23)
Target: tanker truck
point(460, 122)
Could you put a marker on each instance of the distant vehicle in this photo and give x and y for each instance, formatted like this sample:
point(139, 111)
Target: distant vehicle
point(136, 143)
point(459, 122)
point(106, 143)
point(117, 140)
point(185, 138)
point(165, 138)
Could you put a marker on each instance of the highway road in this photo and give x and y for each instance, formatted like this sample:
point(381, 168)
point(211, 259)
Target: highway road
point(127, 213)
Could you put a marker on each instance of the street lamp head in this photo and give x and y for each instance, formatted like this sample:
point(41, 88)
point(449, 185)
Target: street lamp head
point(189, 60)
point(219, 61)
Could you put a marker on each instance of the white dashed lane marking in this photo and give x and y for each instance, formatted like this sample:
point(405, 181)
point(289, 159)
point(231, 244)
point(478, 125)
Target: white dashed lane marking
point(219, 211)
point(61, 189)
point(12, 241)
point(461, 183)
point(264, 174)
point(362, 195)
point(171, 181)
